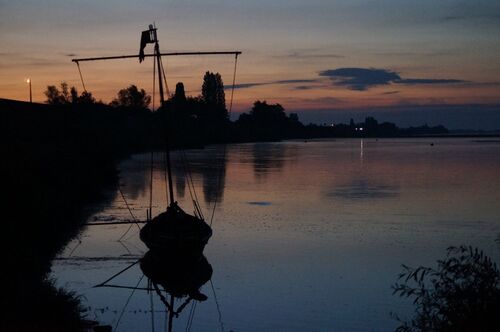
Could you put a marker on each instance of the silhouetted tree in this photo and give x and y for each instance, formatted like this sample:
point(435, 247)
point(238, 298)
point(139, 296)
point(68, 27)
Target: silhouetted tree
point(180, 94)
point(294, 117)
point(213, 96)
point(462, 294)
point(212, 90)
point(56, 96)
point(268, 122)
point(74, 95)
point(63, 96)
point(132, 97)
point(85, 98)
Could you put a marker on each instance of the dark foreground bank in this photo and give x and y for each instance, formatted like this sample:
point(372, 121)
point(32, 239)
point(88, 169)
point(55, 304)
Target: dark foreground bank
point(54, 165)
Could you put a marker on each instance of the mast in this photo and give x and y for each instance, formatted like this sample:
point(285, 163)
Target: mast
point(162, 100)
point(171, 314)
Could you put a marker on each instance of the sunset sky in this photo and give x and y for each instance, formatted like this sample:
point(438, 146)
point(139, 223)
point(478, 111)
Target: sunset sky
point(409, 62)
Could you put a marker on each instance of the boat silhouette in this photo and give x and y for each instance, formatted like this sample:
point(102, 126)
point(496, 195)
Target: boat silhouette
point(175, 231)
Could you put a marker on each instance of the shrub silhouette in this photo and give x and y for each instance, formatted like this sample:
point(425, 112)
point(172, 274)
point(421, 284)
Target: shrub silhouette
point(462, 294)
point(132, 97)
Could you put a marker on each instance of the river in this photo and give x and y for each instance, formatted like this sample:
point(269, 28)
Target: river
point(308, 236)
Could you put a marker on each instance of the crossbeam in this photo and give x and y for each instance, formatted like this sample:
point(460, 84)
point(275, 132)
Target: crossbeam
point(152, 55)
point(115, 223)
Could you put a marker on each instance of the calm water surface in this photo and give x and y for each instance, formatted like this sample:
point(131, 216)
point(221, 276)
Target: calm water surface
point(308, 236)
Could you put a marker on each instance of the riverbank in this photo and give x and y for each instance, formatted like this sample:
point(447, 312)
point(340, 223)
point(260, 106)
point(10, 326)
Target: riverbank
point(54, 168)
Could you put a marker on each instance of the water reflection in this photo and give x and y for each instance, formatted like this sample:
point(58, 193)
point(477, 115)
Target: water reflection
point(135, 173)
point(205, 170)
point(192, 165)
point(179, 277)
point(315, 222)
point(364, 189)
point(173, 278)
point(269, 157)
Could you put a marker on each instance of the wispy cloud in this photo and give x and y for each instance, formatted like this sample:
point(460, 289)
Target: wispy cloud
point(361, 79)
point(246, 85)
point(304, 55)
point(429, 81)
point(279, 82)
point(294, 81)
point(490, 17)
point(304, 87)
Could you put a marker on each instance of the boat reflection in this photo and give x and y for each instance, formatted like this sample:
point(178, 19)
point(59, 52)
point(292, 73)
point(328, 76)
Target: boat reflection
point(179, 277)
point(173, 277)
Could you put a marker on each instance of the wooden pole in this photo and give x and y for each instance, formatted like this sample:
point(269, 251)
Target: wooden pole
point(152, 55)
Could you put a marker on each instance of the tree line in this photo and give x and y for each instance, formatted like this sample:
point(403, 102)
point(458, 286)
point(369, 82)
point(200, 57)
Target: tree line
point(202, 119)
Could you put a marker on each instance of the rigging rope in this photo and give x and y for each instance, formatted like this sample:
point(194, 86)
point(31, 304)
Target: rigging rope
point(164, 77)
point(191, 316)
point(219, 177)
point(151, 302)
point(191, 187)
point(218, 307)
point(126, 303)
point(103, 284)
point(130, 211)
point(165, 175)
point(232, 87)
point(81, 77)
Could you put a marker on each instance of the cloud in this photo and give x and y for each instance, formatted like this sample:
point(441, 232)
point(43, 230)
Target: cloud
point(361, 79)
point(429, 81)
point(285, 82)
point(492, 17)
point(300, 55)
point(304, 87)
point(246, 85)
point(293, 81)
point(358, 79)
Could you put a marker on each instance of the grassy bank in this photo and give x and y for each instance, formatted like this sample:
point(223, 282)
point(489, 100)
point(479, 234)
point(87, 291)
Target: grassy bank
point(55, 165)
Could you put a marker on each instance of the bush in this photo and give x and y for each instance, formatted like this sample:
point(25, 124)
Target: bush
point(462, 294)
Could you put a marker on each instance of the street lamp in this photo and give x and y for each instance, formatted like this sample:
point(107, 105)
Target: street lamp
point(28, 80)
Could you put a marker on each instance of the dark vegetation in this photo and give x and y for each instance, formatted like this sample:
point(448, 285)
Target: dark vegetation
point(461, 294)
point(54, 164)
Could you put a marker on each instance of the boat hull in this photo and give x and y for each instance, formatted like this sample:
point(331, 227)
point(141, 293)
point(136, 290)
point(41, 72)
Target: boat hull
point(177, 233)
